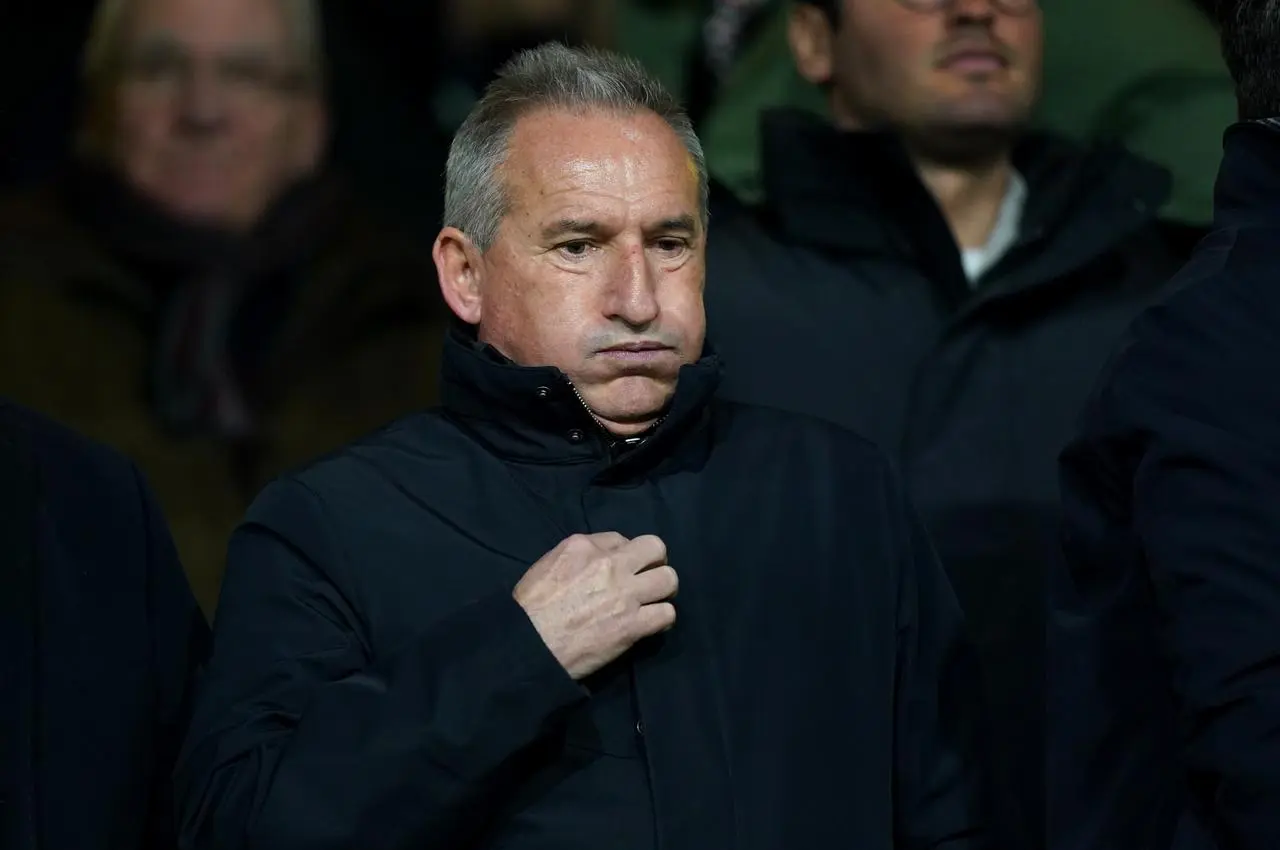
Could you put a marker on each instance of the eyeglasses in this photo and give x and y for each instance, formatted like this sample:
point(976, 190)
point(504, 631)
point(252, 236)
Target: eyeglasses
point(1009, 7)
point(165, 70)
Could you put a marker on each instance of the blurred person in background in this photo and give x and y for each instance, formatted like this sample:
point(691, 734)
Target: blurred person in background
point(1145, 73)
point(197, 290)
point(1165, 641)
point(100, 639)
point(927, 271)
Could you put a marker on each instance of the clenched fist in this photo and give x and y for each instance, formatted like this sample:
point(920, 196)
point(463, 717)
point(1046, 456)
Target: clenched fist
point(594, 595)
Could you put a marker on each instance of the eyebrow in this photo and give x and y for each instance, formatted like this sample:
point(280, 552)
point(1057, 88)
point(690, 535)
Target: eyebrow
point(576, 226)
point(585, 227)
point(165, 44)
point(677, 224)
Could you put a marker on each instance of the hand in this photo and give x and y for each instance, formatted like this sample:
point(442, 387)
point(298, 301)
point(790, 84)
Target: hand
point(595, 595)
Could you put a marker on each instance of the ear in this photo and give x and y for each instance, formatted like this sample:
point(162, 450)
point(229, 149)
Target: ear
point(460, 268)
point(811, 39)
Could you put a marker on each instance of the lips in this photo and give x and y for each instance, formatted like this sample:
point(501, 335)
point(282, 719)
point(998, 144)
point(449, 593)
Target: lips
point(635, 348)
point(975, 59)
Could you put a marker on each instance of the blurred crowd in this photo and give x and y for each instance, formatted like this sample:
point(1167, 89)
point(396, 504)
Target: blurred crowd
point(218, 216)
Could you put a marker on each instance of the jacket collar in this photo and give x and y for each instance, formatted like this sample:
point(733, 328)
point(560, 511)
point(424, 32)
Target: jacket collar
point(858, 194)
point(533, 413)
point(1248, 186)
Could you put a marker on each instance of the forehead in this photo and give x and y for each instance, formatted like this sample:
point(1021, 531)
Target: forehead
point(209, 23)
point(557, 155)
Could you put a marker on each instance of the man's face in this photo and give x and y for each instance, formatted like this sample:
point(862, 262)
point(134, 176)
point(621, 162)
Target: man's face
point(930, 68)
point(212, 117)
point(598, 266)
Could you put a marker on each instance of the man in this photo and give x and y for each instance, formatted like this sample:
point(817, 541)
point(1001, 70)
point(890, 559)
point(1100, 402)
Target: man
point(926, 272)
point(99, 638)
point(464, 631)
point(197, 291)
point(1165, 687)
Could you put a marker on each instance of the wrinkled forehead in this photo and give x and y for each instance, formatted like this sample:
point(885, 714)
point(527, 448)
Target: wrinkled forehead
point(254, 27)
point(552, 155)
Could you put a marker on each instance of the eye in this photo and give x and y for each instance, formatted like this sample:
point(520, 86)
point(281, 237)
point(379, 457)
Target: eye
point(153, 66)
point(672, 246)
point(575, 250)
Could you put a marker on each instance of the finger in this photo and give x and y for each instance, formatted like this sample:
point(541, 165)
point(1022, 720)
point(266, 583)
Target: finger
point(656, 584)
point(651, 619)
point(643, 552)
point(608, 540)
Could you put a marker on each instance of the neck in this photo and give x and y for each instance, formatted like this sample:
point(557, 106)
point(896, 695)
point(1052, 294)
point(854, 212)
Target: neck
point(970, 197)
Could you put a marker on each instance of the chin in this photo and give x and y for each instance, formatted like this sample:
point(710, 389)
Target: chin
point(198, 207)
point(631, 400)
point(968, 139)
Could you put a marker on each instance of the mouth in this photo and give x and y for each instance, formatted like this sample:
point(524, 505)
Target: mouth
point(636, 351)
point(974, 60)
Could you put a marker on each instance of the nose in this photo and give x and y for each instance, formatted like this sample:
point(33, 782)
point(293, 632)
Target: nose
point(633, 290)
point(972, 11)
point(202, 106)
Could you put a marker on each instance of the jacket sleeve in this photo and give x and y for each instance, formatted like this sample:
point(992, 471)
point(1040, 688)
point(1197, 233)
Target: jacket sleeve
point(1107, 677)
point(941, 783)
point(1198, 407)
point(304, 738)
point(179, 639)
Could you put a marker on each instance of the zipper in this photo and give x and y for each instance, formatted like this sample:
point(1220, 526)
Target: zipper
point(583, 402)
point(612, 441)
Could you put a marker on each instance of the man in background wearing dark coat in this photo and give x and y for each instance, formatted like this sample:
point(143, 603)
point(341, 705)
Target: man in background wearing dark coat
point(463, 632)
point(99, 638)
point(927, 271)
point(1165, 686)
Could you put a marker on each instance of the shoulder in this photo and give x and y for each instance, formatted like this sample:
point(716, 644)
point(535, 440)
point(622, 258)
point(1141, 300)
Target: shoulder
point(68, 463)
point(349, 479)
point(89, 498)
point(1206, 353)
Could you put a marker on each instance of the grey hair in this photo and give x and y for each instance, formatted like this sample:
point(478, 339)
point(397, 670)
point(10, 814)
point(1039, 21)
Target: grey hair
point(552, 76)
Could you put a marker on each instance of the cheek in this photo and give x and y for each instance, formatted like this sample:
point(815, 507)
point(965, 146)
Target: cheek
point(893, 49)
point(1027, 39)
point(531, 315)
point(141, 123)
point(682, 301)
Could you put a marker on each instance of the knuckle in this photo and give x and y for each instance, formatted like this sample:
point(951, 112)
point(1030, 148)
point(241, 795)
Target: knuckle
point(653, 540)
point(605, 562)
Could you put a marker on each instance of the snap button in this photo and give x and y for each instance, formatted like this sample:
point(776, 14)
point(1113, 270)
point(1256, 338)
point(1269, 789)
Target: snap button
point(543, 393)
point(576, 435)
point(640, 728)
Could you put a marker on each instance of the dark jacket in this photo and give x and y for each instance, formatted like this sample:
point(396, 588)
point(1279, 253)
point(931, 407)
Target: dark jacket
point(844, 297)
point(1166, 630)
point(374, 683)
point(335, 336)
point(99, 638)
